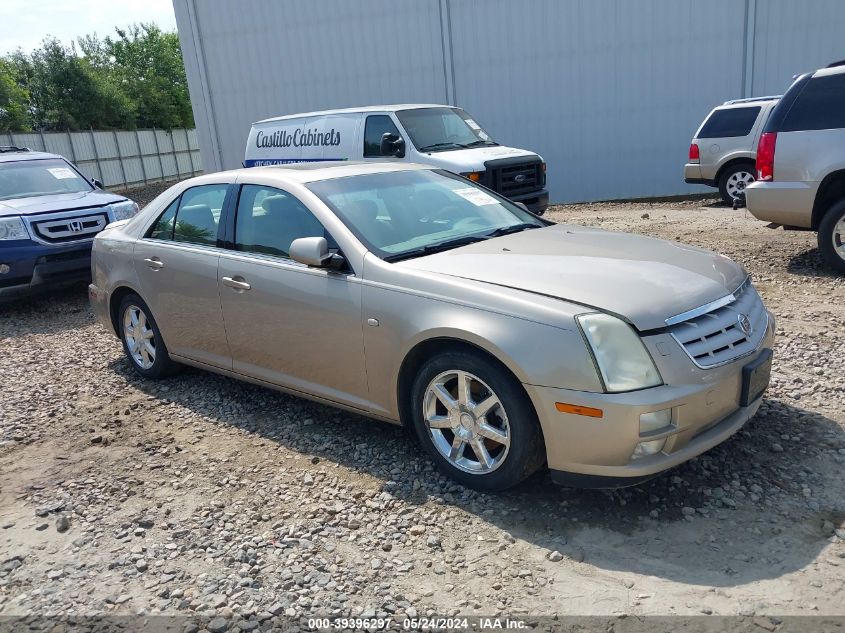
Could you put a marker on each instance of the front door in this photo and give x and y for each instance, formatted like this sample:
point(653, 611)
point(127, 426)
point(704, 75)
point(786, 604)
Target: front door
point(177, 266)
point(287, 323)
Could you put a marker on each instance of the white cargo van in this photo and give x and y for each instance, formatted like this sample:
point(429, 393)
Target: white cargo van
point(439, 135)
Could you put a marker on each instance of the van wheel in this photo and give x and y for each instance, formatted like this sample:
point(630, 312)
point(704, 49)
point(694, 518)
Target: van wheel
point(142, 342)
point(734, 180)
point(832, 237)
point(476, 421)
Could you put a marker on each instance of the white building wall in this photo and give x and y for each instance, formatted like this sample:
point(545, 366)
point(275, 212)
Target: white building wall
point(608, 91)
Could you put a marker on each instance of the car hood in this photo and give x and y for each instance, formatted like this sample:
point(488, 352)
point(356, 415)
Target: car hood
point(472, 159)
point(641, 279)
point(57, 202)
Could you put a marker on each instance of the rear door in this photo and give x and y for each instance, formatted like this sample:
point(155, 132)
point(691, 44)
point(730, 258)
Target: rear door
point(176, 262)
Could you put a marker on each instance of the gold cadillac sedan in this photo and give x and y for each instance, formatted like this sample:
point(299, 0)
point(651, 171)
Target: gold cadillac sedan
point(413, 295)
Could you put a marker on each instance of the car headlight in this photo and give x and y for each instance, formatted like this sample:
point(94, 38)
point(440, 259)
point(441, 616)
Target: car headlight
point(12, 228)
point(124, 210)
point(621, 357)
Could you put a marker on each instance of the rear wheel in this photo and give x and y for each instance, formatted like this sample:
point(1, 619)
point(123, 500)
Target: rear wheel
point(734, 180)
point(476, 421)
point(142, 342)
point(832, 236)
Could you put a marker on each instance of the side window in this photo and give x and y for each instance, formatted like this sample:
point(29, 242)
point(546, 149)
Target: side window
point(199, 214)
point(163, 228)
point(269, 220)
point(820, 106)
point(374, 129)
point(730, 122)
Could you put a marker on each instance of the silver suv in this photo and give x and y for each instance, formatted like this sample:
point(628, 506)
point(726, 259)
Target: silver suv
point(724, 147)
point(801, 162)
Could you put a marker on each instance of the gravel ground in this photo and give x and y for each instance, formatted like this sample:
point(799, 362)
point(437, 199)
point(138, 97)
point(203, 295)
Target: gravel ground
point(204, 495)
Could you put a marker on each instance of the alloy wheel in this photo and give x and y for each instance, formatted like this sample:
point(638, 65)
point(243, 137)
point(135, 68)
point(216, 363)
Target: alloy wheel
point(737, 183)
point(466, 422)
point(139, 336)
point(838, 237)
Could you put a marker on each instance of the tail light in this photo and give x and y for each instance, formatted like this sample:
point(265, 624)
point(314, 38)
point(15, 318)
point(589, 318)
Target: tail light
point(693, 152)
point(766, 156)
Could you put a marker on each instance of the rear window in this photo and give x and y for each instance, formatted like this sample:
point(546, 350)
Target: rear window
point(820, 106)
point(730, 122)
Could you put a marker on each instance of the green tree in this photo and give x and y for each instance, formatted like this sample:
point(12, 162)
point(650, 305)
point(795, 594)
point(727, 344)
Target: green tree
point(147, 64)
point(67, 93)
point(14, 100)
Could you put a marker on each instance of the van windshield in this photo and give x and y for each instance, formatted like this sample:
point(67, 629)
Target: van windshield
point(442, 129)
point(30, 178)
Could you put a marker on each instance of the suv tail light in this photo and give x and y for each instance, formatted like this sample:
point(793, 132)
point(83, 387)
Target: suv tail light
point(693, 151)
point(766, 156)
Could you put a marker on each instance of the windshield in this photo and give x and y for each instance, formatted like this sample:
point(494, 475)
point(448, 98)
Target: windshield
point(441, 129)
point(404, 214)
point(28, 178)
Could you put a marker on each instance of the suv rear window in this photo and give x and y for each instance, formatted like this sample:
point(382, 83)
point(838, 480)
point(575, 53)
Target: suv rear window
point(819, 106)
point(730, 122)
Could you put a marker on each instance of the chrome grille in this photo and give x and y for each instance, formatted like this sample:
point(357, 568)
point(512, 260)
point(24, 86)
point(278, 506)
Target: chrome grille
point(70, 229)
point(714, 335)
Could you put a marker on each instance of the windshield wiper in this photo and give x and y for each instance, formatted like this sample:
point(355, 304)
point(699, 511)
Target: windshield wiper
point(426, 148)
point(481, 142)
point(436, 248)
point(516, 228)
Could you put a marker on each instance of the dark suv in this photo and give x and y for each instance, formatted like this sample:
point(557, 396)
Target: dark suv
point(49, 215)
point(801, 162)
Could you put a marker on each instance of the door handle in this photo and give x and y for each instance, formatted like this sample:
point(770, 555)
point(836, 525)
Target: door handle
point(154, 262)
point(237, 283)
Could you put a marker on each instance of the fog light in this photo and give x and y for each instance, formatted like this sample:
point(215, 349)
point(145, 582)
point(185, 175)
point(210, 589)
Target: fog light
point(652, 422)
point(655, 421)
point(4, 268)
point(644, 449)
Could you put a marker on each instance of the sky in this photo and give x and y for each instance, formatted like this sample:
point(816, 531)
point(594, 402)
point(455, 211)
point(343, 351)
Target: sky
point(27, 22)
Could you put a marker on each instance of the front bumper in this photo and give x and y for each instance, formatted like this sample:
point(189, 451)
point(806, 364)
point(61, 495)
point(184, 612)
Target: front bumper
point(786, 203)
point(536, 201)
point(34, 267)
point(597, 452)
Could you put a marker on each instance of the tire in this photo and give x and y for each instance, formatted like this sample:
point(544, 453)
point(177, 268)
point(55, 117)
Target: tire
point(832, 237)
point(734, 179)
point(511, 447)
point(136, 323)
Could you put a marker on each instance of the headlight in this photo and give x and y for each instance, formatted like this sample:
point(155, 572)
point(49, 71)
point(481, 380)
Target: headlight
point(622, 359)
point(124, 210)
point(13, 229)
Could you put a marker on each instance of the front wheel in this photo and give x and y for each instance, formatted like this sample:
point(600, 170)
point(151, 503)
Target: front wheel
point(734, 180)
point(142, 342)
point(476, 421)
point(832, 237)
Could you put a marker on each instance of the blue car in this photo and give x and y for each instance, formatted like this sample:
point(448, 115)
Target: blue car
point(49, 215)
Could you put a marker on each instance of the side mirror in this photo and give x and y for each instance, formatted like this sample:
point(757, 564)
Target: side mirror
point(392, 145)
point(314, 251)
point(97, 183)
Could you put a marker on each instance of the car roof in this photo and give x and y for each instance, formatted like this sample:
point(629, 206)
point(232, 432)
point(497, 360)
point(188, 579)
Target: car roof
point(300, 173)
point(17, 155)
point(760, 100)
point(374, 108)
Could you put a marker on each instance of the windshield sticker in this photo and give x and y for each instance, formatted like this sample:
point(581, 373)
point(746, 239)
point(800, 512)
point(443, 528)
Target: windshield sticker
point(61, 173)
point(472, 124)
point(476, 196)
point(483, 135)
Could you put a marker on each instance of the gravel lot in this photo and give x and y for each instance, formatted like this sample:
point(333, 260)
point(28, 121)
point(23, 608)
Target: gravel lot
point(204, 495)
